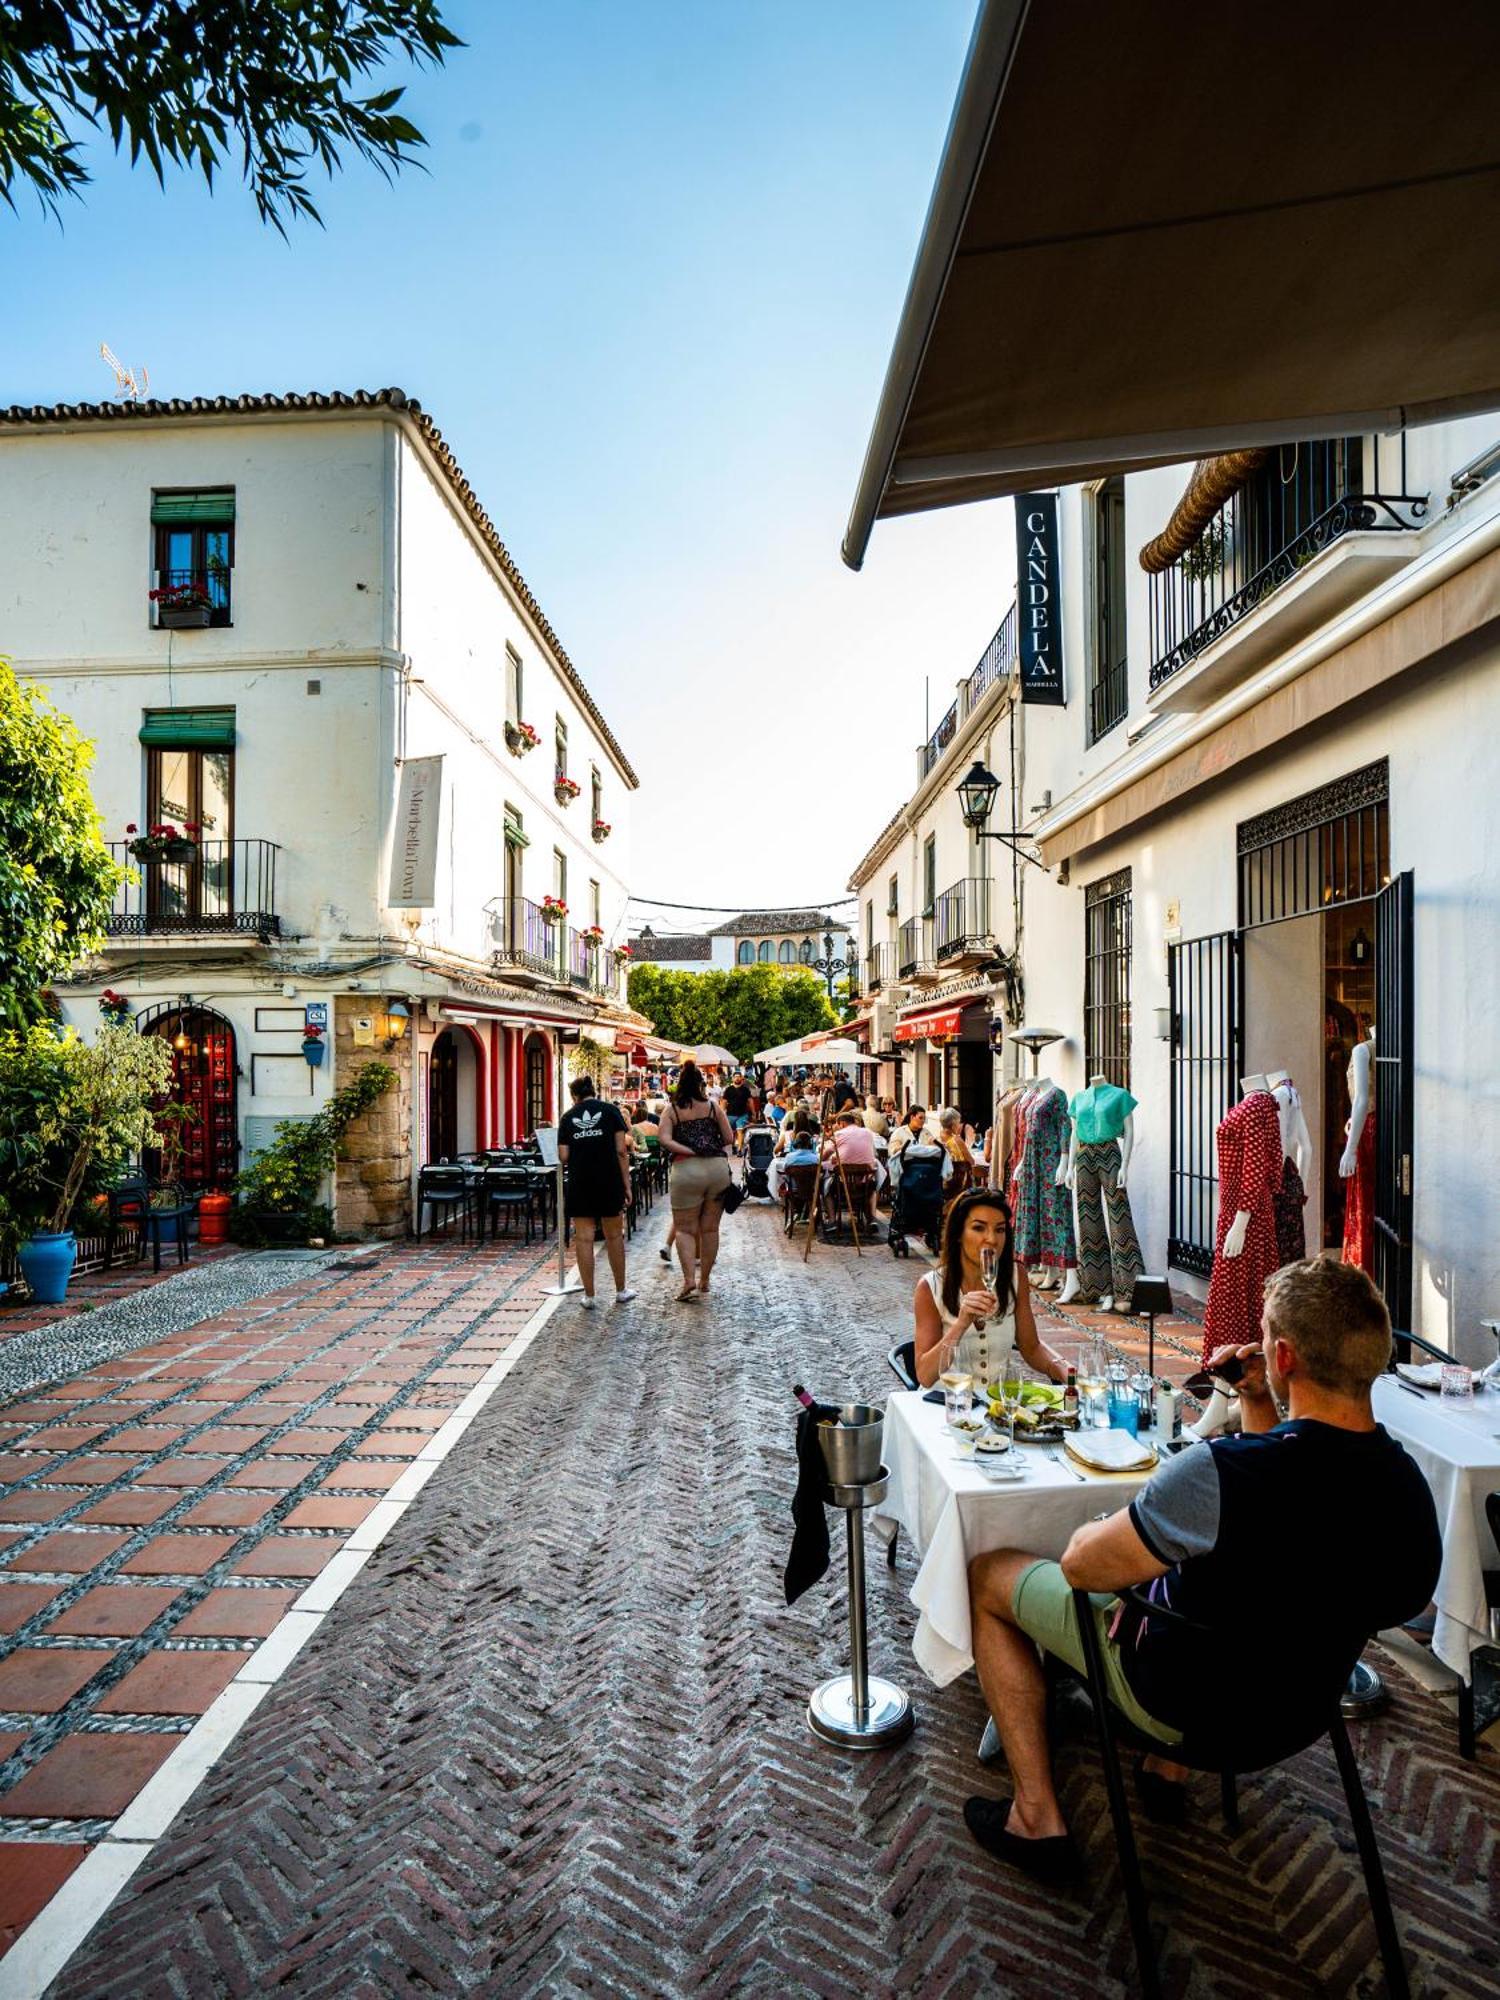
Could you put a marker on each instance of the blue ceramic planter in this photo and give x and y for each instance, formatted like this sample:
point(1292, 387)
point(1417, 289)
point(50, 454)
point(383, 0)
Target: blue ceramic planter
point(47, 1264)
point(314, 1053)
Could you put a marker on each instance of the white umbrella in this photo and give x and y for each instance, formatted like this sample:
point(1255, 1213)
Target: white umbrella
point(784, 1052)
point(839, 1052)
point(709, 1052)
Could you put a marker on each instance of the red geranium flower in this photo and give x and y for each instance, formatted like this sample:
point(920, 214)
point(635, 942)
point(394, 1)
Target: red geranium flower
point(132, 828)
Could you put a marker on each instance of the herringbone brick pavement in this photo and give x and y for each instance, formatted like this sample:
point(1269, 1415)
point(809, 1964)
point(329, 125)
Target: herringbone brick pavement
point(552, 1740)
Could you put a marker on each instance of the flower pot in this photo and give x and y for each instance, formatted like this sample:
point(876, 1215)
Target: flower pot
point(47, 1262)
point(178, 851)
point(186, 618)
point(314, 1053)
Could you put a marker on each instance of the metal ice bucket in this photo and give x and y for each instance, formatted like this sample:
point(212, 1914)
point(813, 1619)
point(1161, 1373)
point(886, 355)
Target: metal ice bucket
point(851, 1450)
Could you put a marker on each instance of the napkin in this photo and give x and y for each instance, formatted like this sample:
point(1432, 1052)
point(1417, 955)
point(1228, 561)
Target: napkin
point(1111, 1451)
point(1426, 1374)
point(808, 1560)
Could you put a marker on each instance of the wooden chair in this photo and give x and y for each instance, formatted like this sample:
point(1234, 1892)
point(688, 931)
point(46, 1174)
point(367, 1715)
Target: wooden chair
point(797, 1186)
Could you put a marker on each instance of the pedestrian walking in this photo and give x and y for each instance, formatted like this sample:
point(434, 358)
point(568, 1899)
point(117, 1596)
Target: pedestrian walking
point(737, 1099)
point(593, 1143)
point(697, 1135)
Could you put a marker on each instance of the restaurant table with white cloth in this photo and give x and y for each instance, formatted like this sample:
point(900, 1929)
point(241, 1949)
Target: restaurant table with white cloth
point(953, 1513)
point(1456, 1442)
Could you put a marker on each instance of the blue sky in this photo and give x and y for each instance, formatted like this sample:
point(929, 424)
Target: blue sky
point(647, 287)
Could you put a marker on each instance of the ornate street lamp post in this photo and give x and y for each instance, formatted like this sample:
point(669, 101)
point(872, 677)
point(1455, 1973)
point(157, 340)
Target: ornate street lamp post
point(828, 965)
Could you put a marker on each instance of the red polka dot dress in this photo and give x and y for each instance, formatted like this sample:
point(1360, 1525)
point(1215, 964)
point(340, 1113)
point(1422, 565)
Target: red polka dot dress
point(1249, 1145)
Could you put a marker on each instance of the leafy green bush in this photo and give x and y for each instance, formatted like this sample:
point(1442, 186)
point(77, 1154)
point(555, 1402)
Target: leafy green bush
point(278, 1192)
point(72, 1114)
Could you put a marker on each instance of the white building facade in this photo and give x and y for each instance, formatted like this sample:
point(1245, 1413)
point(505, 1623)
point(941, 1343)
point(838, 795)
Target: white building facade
point(1270, 820)
point(338, 681)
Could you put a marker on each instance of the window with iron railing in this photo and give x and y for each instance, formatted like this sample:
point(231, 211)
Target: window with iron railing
point(1106, 979)
point(1108, 681)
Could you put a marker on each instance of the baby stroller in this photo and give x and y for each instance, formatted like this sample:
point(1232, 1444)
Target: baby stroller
point(917, 1203)
point(760, 1144)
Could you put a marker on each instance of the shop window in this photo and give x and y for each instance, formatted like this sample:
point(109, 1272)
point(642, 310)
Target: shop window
point(1108, 691)
point(1328, 847)
point(1106, 979)
point(193, 537)
point(784, 952)
point(746, 952)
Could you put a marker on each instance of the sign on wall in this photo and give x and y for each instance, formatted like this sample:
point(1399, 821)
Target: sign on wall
point(414, 849)
point(1039, 599)
point(315, 1014)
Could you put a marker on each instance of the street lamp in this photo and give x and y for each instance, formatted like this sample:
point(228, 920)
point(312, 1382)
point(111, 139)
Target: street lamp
point(976, 792)
point(828, 965)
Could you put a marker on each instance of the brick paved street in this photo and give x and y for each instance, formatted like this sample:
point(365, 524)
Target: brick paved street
point(551, 1739)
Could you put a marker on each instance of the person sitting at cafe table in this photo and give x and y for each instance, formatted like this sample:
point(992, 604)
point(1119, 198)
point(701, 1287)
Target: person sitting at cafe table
point(914, 1137)
point(801, 1152)
point(1284, 1547)
point(962, 1322)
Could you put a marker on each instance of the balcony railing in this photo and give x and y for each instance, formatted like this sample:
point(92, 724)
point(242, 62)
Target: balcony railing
point(914, 947)
point(524, 940)
point(224, 885)
point(1109, 698)
point(962, 918)
point(1286, 514)
point(191, 596)
point(877, 967)
point(995, 664)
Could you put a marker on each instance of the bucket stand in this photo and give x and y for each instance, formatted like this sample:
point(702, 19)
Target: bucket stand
point(858, 1710)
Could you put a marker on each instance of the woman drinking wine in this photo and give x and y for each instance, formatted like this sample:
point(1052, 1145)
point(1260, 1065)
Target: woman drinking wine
point(974, 1310)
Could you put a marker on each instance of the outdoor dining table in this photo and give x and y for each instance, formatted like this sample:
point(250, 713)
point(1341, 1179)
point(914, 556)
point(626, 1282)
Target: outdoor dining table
point(1456, 1442)
point(953, 1513)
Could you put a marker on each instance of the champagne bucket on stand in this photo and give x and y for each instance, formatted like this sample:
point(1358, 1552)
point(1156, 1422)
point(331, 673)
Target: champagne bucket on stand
point(851, 1449)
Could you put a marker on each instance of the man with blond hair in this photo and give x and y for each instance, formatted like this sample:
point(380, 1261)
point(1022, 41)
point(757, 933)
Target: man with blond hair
point(1283, 1548)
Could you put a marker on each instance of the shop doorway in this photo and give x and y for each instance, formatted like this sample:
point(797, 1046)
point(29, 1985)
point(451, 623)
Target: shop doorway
point(967, 1086)
point(202, 1103)
point(453, 1095)
point(538, 1079)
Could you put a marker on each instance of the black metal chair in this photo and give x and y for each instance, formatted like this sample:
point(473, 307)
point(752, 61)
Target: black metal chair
point(1113, 1728)
point(1479, 1705)
point(130, 1208)
point(507, 1190)
point(903, 1363)
point(447, 1191)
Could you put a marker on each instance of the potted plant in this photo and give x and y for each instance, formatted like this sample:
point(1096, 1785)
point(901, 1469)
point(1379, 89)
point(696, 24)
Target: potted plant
point(554, 910)
point(602, 829)
point(565, 789)
point(164, 841)
point(280, 1191)
point(313, 1048)
point(114, 1008)
point(593, 937)
point(521, 737)
point(72, 1114)
point(623, 953)
point(182, 606)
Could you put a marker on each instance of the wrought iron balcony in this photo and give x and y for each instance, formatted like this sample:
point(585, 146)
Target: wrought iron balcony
point(962, 919)
point(222, 885)
point(914, 955)
point(995, 664)
point(877, 967)
point(1302, 501)
point(525, 941)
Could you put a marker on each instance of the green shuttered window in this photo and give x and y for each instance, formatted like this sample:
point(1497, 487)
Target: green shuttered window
point(188, 729)
point(186, 510)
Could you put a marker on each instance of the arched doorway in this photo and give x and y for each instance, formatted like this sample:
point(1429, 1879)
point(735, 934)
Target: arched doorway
point(453, 1085)
point(538, 1082)
point(204, 1080)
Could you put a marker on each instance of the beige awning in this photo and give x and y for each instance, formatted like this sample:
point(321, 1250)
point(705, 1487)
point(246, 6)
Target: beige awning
point(1166, 230)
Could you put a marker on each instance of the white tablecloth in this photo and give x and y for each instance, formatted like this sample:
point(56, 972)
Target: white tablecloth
point(953, 1513)
point(1457, 1445)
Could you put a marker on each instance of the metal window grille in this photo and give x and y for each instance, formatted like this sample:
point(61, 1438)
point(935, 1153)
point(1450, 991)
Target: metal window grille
point(1205, 981)
point(1106, 978)
point(1329, 846)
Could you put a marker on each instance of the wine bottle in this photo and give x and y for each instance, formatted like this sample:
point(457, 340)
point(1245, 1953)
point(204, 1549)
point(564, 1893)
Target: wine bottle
point(807, 1402)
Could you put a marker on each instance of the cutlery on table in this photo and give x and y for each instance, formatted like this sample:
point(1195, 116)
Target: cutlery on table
point(1411, 1388)
point(1059, 1457)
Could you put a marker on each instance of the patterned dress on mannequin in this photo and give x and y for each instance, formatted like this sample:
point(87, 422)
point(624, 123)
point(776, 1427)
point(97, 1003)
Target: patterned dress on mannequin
point(1289, 1201)
point(1359, 1195)
point(1044, 1213)
point(1249, 1150)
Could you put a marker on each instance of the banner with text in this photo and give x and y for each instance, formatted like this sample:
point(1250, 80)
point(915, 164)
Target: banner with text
point(414, 850)
point(1039, 599)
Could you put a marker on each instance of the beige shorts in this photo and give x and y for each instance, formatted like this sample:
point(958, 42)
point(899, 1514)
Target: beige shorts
point(693, 1181)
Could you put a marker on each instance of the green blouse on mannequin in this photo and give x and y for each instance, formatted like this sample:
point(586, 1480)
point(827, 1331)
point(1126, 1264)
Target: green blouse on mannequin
point(1099, 1113)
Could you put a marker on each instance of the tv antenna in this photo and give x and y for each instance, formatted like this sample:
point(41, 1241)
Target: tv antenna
point(130, 386)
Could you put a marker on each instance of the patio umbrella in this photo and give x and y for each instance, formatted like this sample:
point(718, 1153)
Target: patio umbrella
point(710, 1052)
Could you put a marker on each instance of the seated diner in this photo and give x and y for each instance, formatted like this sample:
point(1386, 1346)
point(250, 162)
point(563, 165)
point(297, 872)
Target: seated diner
point(962, 1322)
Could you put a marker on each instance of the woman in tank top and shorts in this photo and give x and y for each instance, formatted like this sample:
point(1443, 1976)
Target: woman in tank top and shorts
point(960, 1321)
point(697, 1135)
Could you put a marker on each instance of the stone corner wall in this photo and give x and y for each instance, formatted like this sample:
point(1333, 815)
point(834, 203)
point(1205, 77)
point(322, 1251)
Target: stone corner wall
point(372, 1183)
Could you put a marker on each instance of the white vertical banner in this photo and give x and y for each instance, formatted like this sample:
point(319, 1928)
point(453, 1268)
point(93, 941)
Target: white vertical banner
point(414, 848)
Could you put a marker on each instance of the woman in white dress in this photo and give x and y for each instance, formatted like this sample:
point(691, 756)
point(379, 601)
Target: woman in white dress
point(964, 1323)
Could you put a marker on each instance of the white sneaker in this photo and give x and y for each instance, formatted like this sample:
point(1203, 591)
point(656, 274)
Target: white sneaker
point(588, 1302)
point(624, 1298)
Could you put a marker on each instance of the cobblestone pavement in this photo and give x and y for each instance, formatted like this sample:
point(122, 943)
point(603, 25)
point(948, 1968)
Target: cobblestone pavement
point(551, 1741)
point(160, 1512)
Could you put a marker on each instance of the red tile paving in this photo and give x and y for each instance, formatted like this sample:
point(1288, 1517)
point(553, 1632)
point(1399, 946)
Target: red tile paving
point(282, 1473)
point(167, 1683)
point(362, 1476)
point(24, 1465)
point(183, 1471)
point(289, 1555)
point(151, 1437)
point(68, 1553)
point(36, 1680)
point(35, 1506)
point(179, 1555)
point(229, 1510)
point(20, 1601)
point(129, 1510)
point(89, 1777)
point(114, 1611)
point(324, 1511)
point(31, 1873)
point(236, 1614)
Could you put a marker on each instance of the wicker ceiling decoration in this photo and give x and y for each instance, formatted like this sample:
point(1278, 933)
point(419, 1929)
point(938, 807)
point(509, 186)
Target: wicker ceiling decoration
point(1212, 482)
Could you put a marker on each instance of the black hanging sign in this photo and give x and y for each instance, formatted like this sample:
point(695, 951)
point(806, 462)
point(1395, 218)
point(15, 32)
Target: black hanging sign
point(1039, 599)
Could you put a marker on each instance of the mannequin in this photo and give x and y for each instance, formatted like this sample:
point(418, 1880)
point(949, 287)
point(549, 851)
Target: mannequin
point(1357, 1166)
point(1290, 1198)
point(1043, 1208)
point(1250, 1171)
point(1097, 1163)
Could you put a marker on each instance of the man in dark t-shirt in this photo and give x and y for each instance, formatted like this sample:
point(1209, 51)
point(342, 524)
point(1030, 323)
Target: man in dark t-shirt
point(593, 1143)
point(1286, 1547)
point(737, 1108)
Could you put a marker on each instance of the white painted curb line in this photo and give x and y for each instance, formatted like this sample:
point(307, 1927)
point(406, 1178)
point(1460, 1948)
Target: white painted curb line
point(60, 1927)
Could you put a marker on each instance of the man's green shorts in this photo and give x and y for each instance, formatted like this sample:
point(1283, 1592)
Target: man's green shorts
point(1044, 1609)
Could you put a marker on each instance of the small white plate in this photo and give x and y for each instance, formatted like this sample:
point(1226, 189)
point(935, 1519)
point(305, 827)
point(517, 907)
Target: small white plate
point(1007, 1471)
